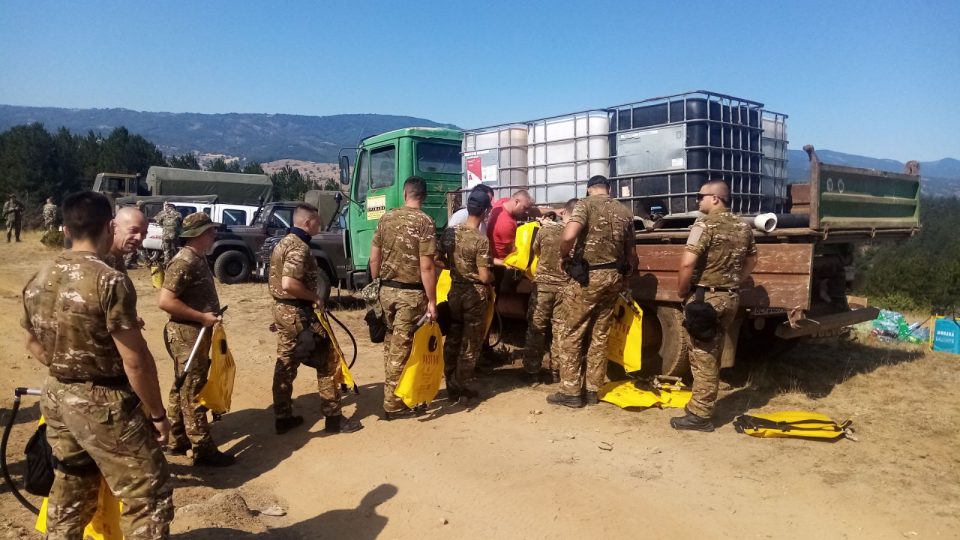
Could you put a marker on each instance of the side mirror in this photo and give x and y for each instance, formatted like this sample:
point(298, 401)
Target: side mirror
point(344, 170)
point(338, 197)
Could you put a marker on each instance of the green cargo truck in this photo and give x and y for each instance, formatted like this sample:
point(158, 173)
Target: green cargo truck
point(799, 287)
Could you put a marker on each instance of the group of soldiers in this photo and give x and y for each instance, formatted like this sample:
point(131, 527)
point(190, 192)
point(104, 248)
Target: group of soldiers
point(102, 399)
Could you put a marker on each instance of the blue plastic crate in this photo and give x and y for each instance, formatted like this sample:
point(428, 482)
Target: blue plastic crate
point(946, 336)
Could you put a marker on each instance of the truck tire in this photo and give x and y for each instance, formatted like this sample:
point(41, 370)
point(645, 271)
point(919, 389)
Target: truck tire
point(664, 343)
point(232, 267)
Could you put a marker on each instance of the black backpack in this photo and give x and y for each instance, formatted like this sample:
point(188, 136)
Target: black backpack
point(40, 463)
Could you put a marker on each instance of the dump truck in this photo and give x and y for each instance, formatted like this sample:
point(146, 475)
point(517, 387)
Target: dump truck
point(229, 188)
point(799, 286)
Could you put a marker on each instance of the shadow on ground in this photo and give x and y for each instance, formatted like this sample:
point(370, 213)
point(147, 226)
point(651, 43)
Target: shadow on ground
point(813, 369)
point(359, 523)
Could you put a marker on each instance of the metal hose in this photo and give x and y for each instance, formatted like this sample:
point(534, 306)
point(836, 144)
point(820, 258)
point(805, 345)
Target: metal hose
point(3, 447)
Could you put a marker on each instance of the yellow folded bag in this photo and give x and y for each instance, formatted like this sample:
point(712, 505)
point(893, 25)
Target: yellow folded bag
point(796, 424)
point(625, 394)
point(421, 377)
point(156, 276)
point(217, 394)
point(444, 282)
point(105, 524)
point(522, 255)
point(344, 376)
point(625, 340)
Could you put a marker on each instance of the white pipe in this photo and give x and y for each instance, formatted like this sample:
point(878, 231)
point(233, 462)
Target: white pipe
point(764, 222)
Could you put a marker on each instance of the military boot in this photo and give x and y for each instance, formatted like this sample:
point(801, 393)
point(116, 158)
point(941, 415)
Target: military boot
point(574, 402)
point(283, 425)
point(406, 412)
point(590, 398)
point(341, 424)
point(691, 422)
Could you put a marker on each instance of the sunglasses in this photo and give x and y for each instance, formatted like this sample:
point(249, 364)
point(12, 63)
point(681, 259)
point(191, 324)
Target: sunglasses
point(700, 196)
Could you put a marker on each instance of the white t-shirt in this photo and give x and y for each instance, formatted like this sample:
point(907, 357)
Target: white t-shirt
point(460, 217)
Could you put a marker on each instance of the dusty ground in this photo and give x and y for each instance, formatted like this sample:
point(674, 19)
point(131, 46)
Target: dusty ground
point(514, 467)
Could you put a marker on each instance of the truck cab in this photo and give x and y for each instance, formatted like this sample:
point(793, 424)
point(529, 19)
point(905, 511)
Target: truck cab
point(120, 185)
point(383, 163)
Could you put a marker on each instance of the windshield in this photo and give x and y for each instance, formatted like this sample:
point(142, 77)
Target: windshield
point(438, 158)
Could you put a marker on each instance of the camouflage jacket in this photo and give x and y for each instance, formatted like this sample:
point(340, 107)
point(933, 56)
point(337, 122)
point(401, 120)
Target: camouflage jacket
point(12, 210)
point(189, 278)
point(606, 222)
point(721, 242)
point(49, 215)
point(171, 221)
point(116, 262)
point(72, 306)
point(404, 234)
point(292, 258)
point(547, 244)
point(465, 250)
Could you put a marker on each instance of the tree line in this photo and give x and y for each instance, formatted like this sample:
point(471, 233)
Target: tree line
point(36, 164)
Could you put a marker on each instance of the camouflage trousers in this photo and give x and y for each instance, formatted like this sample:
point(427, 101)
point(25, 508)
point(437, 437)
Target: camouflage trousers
point(13, 228)
point(188, 419)
point(543, 320)
point(104, 426)
point(461, 348)
point(49, 229)
point(705, 355)
point(169, 249)
point(290, 321)
point(402, 309)
point(587, 313)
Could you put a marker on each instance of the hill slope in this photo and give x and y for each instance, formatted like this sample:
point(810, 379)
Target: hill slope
point(940, 177)
point(256, 137)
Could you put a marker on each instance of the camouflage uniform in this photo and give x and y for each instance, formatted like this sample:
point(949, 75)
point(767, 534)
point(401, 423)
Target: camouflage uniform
point(13, 214)
point(543, 307)
point(292, 258)
point(189, 279)
point(587, 312)
point(404, 234)
point(116, 262)
point(171, 221)
point(465, 251)
point(49, 221)
point(722, 242)
point(94, 421)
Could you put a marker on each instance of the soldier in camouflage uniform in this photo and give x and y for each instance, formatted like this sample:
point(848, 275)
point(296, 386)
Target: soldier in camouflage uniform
point(101, 400)
point(466, 252)
point(402, 257)
point(719, 256)
point(190, 297)
point(171, 221)
point(294, 276)
point(13, 214)
point(600, 233)
point(49, 220)
point(129, 230)
point(543, 313)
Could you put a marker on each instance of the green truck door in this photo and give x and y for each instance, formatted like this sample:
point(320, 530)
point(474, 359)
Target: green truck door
point(374, 193)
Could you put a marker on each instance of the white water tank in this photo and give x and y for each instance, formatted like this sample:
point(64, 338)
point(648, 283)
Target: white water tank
point(564, 152)
point(496, 157)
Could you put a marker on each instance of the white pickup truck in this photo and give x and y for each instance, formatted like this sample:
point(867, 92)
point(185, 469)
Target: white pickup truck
point(228, 214)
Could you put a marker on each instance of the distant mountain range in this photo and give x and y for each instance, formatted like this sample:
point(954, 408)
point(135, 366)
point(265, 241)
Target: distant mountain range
point(270, 137)
point(940, 178)
point(253, 137)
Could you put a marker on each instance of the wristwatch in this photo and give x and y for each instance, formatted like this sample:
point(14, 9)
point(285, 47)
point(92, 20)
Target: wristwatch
point(160, 418)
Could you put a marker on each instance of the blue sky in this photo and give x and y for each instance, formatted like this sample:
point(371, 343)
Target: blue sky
point(875, 78)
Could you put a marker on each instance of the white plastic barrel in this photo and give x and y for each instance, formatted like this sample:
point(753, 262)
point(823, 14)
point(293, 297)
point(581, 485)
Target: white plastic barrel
point(496, 157)
point(564, 153)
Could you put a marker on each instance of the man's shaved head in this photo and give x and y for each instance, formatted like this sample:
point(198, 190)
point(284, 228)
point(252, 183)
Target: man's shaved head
point(129, 230)
point(307, 218)
point(718, 188)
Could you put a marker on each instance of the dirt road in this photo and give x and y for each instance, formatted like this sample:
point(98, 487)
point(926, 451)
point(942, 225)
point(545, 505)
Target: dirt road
point(515, 467)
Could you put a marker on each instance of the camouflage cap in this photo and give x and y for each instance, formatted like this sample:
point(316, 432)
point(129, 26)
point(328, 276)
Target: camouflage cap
point(196, 224)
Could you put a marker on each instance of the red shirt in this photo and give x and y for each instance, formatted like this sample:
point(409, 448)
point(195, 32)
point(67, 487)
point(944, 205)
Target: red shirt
point(501, 229)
